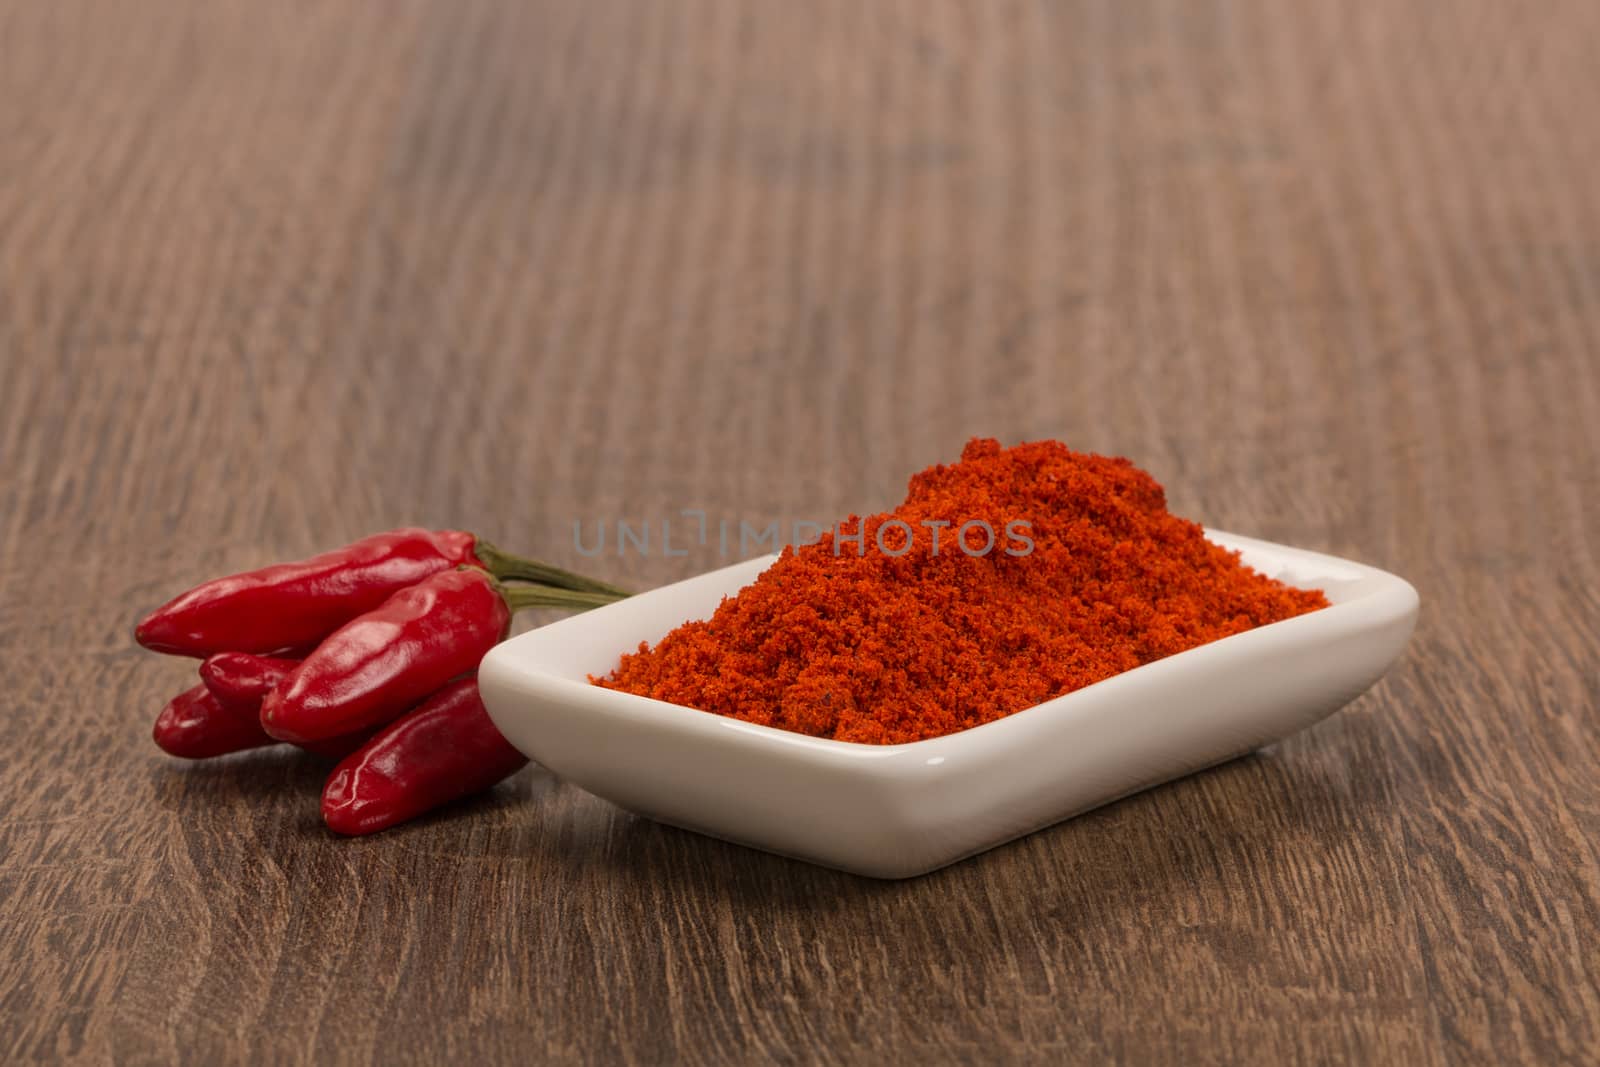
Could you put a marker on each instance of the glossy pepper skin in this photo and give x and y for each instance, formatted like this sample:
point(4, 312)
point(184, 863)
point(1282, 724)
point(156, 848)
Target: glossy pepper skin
point(295, 605)
point(240, 681)
point(196, 725)
point(378, 665)
point(243, 680)
point(444, 749)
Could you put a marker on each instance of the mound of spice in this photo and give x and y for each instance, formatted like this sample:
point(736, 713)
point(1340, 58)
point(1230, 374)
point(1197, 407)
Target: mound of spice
point(1008, 578)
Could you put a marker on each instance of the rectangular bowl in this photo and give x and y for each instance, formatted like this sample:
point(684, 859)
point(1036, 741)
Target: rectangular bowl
point(894, 811)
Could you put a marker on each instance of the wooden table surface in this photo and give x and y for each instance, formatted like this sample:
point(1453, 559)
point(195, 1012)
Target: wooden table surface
point(273, 277)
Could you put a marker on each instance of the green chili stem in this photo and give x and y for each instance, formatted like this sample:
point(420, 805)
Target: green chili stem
point(547, 596)
point(505, 566)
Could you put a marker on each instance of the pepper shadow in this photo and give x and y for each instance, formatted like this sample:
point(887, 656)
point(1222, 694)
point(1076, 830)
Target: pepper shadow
point(253, 775)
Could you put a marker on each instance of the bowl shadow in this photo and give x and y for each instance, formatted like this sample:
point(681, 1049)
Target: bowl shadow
point(1242, 814)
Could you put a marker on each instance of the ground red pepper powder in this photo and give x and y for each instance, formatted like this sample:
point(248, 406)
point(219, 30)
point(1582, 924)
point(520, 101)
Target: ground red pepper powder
point(839, 639)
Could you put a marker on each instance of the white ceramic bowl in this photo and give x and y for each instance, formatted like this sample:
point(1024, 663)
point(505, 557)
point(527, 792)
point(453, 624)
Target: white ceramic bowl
point(892, 811)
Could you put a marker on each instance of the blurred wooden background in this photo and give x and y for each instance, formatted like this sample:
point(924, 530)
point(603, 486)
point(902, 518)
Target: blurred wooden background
point(273, 276)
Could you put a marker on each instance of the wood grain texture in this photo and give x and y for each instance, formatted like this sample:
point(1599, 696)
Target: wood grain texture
point(273, 276)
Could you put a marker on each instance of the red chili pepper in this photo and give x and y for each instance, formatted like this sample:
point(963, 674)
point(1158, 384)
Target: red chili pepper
point(296, 604)
point(334, 748)
point(443, 750)
point(378, 665)
point(196, 725)
point(241, 681)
